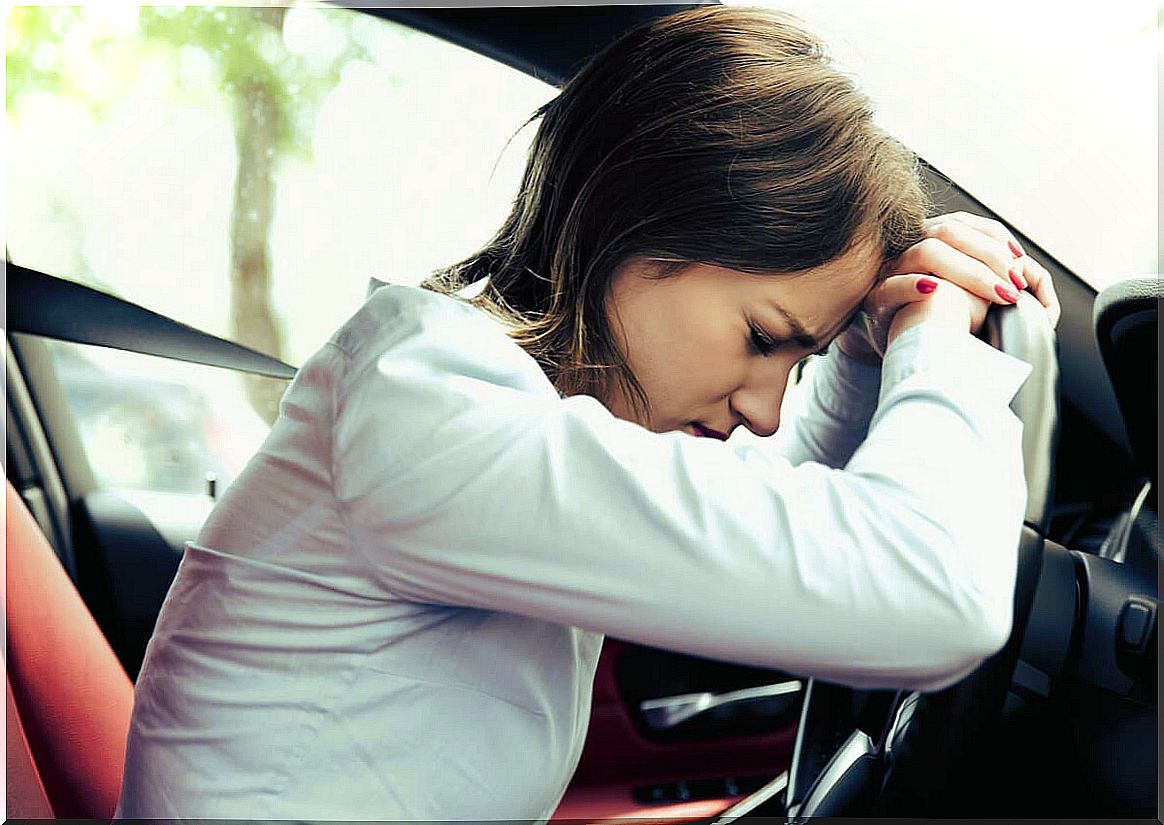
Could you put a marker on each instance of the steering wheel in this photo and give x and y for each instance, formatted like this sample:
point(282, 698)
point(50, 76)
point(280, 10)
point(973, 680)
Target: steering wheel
point(861, 753)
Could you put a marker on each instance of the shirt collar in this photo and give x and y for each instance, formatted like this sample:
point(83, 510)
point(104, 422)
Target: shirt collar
point(467, 292)
point(373, 285)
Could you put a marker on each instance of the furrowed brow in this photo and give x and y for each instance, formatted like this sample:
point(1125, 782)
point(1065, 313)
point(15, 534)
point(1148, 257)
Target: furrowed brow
point(801, 335)
point(805, 338)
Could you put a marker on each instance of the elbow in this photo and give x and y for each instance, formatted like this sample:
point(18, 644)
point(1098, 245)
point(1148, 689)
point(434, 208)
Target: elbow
point(982, 616)
point(1001, 626)
point(972, 640)
point(986, 637)
point(974, 620)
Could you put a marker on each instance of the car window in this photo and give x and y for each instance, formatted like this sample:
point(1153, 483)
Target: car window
point(245, 171)
point(1046, 113)
point(192, 158)
point(152, 424)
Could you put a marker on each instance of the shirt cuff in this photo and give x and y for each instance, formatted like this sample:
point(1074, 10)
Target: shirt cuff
point(969, 369)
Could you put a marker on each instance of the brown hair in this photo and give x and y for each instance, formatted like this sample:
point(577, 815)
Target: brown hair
point(718, 135)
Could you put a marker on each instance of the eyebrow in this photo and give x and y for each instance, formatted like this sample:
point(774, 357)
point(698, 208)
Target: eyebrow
point(801, 335)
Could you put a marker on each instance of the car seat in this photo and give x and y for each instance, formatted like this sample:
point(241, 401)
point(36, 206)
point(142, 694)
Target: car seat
point(68, 694)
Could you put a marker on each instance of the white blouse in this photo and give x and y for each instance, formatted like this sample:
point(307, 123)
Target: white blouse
point(395, 612)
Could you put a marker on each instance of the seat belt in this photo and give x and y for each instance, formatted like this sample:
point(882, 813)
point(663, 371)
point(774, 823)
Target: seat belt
point(40, 304)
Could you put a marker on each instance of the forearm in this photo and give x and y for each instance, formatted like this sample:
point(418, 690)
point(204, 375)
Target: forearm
point(467, 489)
point(829, 414)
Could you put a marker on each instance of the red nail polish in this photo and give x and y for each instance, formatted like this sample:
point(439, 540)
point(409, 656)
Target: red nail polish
point(926, 285)
point(1015, 249)
point(1006, 293)
point(1016, 278)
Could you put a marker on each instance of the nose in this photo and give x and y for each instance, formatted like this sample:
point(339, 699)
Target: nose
point(758, 399)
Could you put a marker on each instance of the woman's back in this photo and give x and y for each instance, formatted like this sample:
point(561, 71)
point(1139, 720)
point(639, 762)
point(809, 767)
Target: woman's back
point(284, 680)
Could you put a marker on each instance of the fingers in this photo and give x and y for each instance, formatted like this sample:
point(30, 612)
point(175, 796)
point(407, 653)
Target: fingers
point(991, 243)
point(898, 290)
point(986, 226)
point(1042, 288)
point(937, 257)
point(991, 248)
point(883, 302)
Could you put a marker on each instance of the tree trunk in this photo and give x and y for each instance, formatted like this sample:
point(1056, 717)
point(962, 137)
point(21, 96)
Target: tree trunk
point(258, 123)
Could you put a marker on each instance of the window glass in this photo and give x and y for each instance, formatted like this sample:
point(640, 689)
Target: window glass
point(152, 424)
point(246, 170)
point(1047, 113)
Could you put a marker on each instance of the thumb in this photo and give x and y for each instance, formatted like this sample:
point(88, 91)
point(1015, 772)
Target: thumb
point(883, 302)
point(896, 291)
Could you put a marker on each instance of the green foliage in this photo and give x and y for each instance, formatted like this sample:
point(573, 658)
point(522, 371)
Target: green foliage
point(34, 57)
point(244, 45)
point(247, 49)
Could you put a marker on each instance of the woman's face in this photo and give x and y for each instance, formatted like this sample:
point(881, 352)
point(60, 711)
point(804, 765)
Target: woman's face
point(713, 347)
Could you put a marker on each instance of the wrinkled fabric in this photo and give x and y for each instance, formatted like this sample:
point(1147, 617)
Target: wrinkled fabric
point(396, 611)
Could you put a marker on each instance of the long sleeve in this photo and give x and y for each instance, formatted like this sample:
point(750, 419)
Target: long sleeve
point(827, 416)
point(463, 486)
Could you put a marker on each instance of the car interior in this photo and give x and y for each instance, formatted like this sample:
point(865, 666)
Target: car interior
point(1061, 723)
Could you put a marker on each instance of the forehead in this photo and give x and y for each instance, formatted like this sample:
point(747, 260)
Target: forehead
point(853, 274)
point(823, 298)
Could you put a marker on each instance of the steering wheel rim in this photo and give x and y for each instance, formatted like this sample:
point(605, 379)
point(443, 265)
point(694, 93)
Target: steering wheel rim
point(904, 769)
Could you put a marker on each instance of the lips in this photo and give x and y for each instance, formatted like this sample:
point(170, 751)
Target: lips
point(707, 432)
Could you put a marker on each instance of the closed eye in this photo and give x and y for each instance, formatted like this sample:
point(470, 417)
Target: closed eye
point(761, 342)
point(764, 344)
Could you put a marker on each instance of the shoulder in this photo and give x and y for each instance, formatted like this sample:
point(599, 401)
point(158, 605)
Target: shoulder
point(393, 312)
point(430, 388)
point(409, 329)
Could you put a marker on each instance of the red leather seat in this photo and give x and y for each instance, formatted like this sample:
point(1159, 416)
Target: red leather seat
point(68, 690)
point(26, 796)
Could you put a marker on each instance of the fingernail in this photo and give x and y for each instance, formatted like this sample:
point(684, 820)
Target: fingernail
point(927, 285)
point(1016, 278)
point(1006, 293)
point(1015, 249)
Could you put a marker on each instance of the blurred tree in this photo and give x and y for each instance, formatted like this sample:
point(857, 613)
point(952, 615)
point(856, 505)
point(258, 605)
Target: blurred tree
point(32, 64)
point(36, 62)
point(275, 93)
point(27, 69)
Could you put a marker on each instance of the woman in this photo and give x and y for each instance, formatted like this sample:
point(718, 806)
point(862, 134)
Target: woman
point(396, 611)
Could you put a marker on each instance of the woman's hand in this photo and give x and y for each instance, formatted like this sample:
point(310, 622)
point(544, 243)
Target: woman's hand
point(989, 246)
point(901, 301)
point(976, 254)
point(950, 305)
